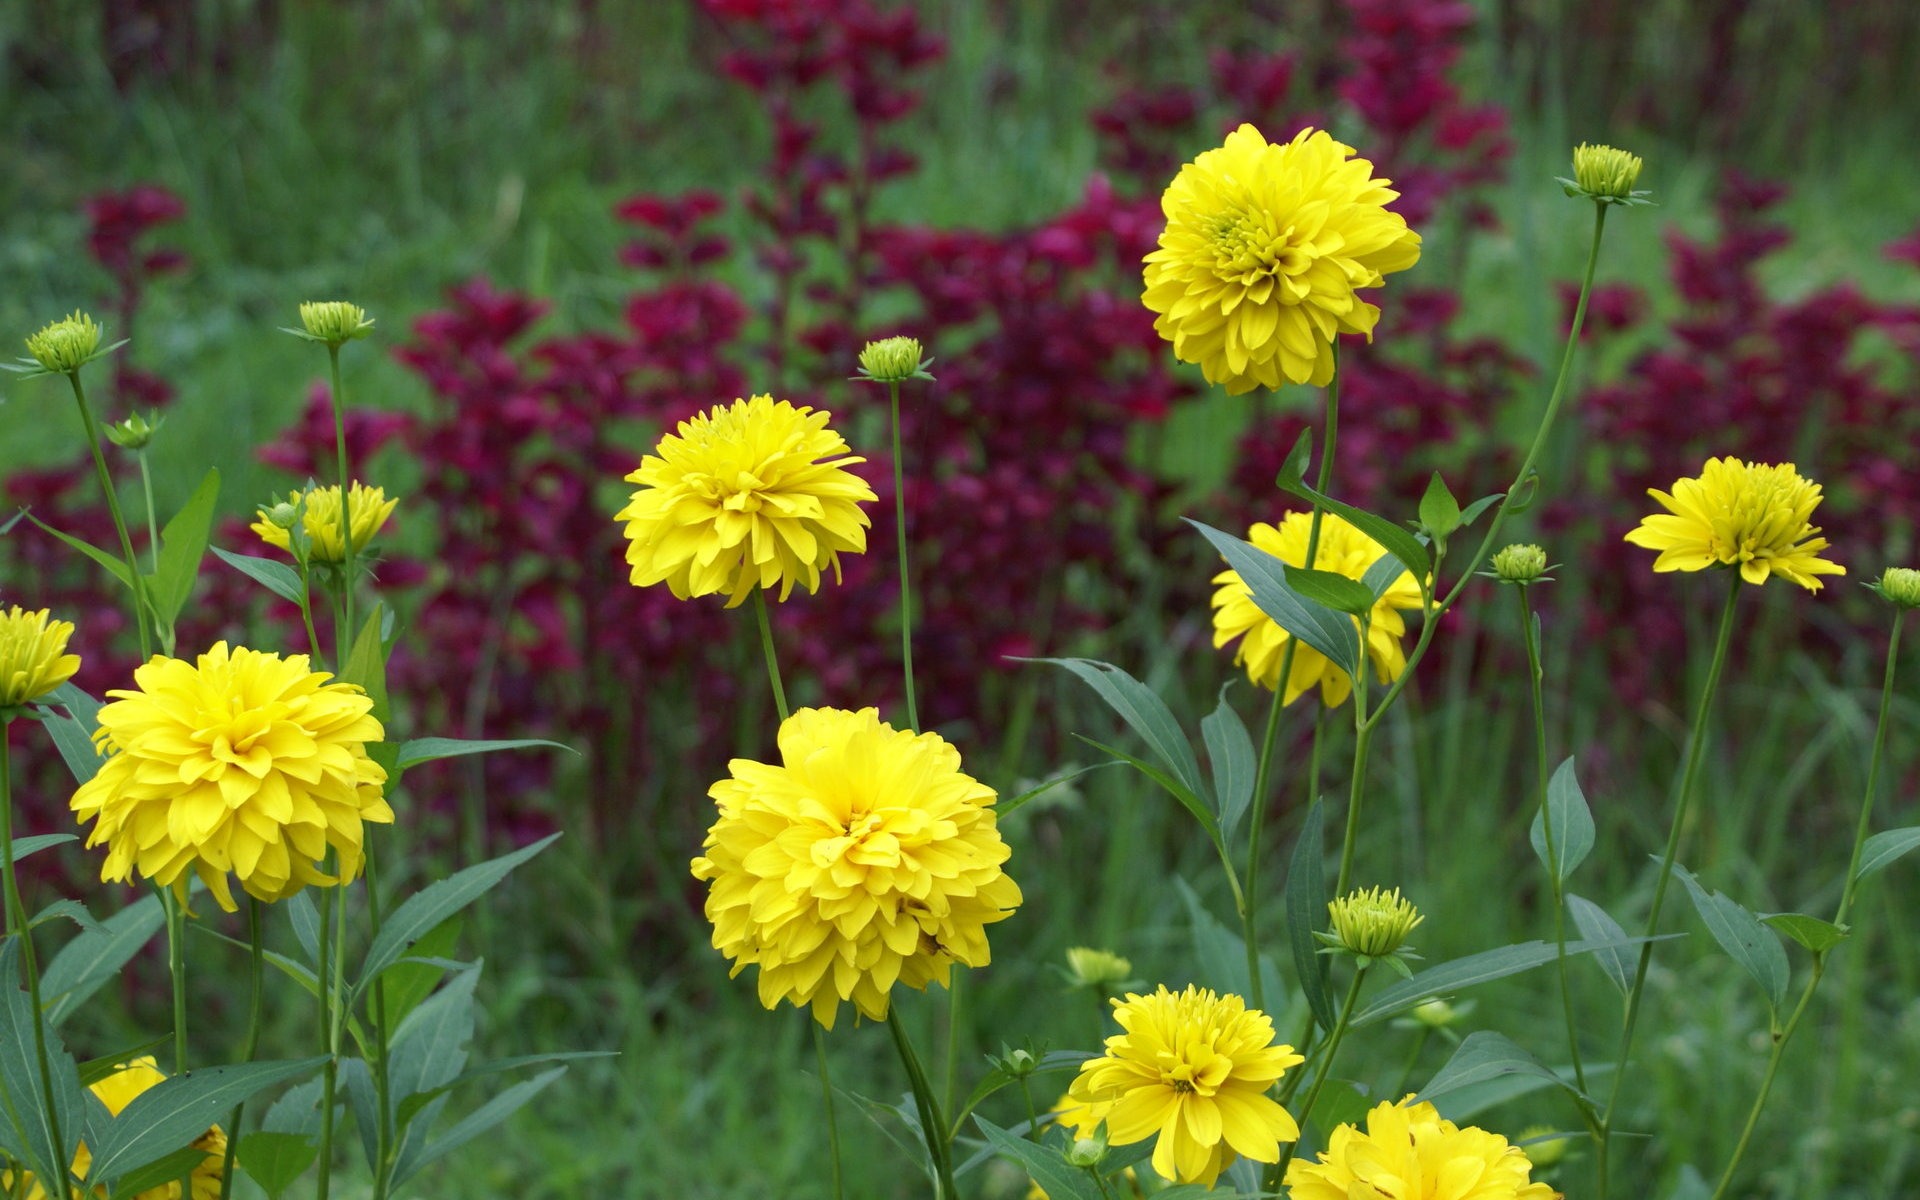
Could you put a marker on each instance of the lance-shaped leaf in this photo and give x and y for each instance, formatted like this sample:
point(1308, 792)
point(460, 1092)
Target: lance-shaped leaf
point(1230, 751)
point(1044, 1163)
point(1484, 1056)
point(1596, 926)
point(85, 964)
point(475, 1123)
point(1393, 539)
point(182, 545)
point(1572, 824)
point(420, 912)
point(1306, 909)
point(420, 750)
point(1332, 633)
point(1145, 713)
point(32, 1113)
point(1882, 849)
point(1479, 968)
point(1741, 935)
point(178, 1110)
point(277, 577)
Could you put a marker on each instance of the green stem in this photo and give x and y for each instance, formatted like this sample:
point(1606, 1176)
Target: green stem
point(1534, 677)
point(951, 1075)
point(1334, 1038)
point(826, 1100)
point(255, 978)
point(928, 1106)
point(346, 482)
point(329, 1074)
point(153, 528)
point(17, 922)
point(1033, 1114)
point(1696, 745)
point(382, 1077)
point(766, 648)
point(900, 539)
point(142, 614)
point(1840, 917)
point(1500, 511)
point(1362, 745)
point(177, 968)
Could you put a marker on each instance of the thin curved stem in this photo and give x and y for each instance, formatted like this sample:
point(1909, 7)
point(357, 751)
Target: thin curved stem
point(1338, 1034)
point(766, 649)
point(255, 979)
point(142, 612)
point(928, 1105)
point(900, 543)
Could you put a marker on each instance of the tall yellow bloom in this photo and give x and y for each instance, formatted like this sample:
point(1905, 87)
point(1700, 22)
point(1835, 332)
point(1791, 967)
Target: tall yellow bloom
point(1264, 251)
point(367, 507)
point(1755, 516)
point(745, 496)
point(865, 857)
point(1343, 549)
point(33, 655)
point(117, 1091)
point(1192, 1069)
point(241, 762)
point(1409, 1152)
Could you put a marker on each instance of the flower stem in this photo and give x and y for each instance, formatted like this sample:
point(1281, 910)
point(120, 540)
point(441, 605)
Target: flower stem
point(1689, 773)
point(346, 509)
point(142, 614)
point(766, 648)
point(17, 922)
point(928, 1105)
point(1033, 1114)
point(1534, 680)
point(329, 1074)
point(900, 539)
point(1334, 1038)
point(1840, 917)
point(382, 1078)
point(255, 972)
point(826, 1100)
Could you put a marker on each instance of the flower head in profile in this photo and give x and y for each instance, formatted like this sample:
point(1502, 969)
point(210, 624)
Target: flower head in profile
point(1091, 968)
point(863, 858)
point(33, 656)
point(241, 763)
point(118, 1090)
point(1265, 251)
point(1898, 586)
point(751, 495)
point(1342, 549)
point(1192, 1069)
point(333, 322)
point(1409, 1152)
point(1754, 516)
point(1605, 175)
point(891, 360)
point(1372, 922)
point(64, 346)
point(368, 509)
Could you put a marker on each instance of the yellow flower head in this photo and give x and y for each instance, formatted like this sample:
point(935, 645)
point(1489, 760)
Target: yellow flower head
point(1096, 968)
point(1264, 250)
point(368, 507)
point(241, 762)
point(1410, 1153)
point(1373, 922)
point(33, 655)
point(747, 496)
point(1193, 1069)
point(334, 322)
point(66, 345)
point(1343, 549)
point(1750, 515)
point(865, 857)
point(117, 1091)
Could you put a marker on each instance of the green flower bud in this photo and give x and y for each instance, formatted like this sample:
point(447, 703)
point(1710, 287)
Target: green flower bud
point(135, 432)
point(1087, 1152)
point(1605, 175)
point(1096, 968)
point(282, 515)
point(1520, 563)
point(1372, 922)
point(334, 322)
point(892, 360)
point(1900, 587)
point(65, 345)
point(1435, 1013)
point(1544, 1153)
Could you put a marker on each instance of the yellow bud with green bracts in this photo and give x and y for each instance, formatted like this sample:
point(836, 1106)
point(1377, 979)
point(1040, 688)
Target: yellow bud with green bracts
point(333, 322)
point(1372, 922)
point(1899, 586)
point(1605, 175)
point(893, 359)
point(67, 344)
point(1520, 563)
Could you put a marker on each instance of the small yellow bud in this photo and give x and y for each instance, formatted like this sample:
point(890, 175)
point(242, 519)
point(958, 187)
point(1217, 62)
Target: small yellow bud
point(1900, 587)
point(1096, 968)
point(1521, 563)
point(891, 360)
point(135, 432)
point(334, 322)
point(1544, 1153)
point(1372, 922)
point(65, 345)
point(1604, 174)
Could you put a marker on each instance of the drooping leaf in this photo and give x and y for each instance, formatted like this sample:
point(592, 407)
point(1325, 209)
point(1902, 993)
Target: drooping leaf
point(116, 567)
point(1815, 934)
point(1393, 539)
point(1173, 787)
point(1306, 909)
point(1144, 712)
point(1230, 752)
point(1882, 849)
point(277, 577)
point(1741, 935)
point(1596, 926)
point(183, 543)
point(1485, 1055)
point(1331, 633)
point(305, 919)
point(85, 965)
point(1572, 824)
point(419, 913)
point(72, 910)
point(420, 750)
point(22, 847)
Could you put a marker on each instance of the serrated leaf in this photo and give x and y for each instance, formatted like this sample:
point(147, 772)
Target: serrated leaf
point(1484, 1056)
point(1815, 934)
point(1042, 1162)
point(1144, 712)
point(1439, 511)
point(1596, 926)
point(177, 1110)
point(420, 750)
point(1230, 753)
point(1306, 908)
point(1742, 936)
point(1480, 968)
point(72, 910)
point(183, 543)
point(277, 577)
point(1393, 539)
point(276, 1160)
point(1882, 849)
point(85, 964)
point(1334, 634)
point(1572, 824)
point(419, 913)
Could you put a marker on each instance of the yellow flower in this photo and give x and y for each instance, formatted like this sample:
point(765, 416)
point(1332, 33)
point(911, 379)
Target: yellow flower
point(1410, 1153)
point(117, 1091)
point(1343, 549)
point(1372, 922)
point(1750, 515)
point(746, 496)
point(1192, 1069)
point(368, 507)
point(865, 857)
point(1264, 250)
point(242, 762)
point(33, 655)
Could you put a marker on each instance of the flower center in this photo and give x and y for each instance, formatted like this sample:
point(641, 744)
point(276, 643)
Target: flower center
point(1251, 245)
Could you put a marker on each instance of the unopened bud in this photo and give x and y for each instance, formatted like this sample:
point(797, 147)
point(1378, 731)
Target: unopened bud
point(893, 359)
point(135, 432)
point(1088, 1151)
point(1520, 563)
point(1096, 968)
point(65, 345)
point(282, 515)
point(334, 322)
point(1372, 922)
point(1900, 587)
point(1604, 174)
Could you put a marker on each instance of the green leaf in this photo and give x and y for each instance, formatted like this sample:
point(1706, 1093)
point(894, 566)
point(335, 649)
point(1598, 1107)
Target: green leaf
point(24, 1127)
point(85, 964)
point(420, 750)
point(1596, 926)
point(1382, 575)
point(1230, 752)
point(1333, 590)
point(1472, 511)
point(477, 1122)
point(410, 981)
point(162, 1171)
point(297, 1110)
point(72, 910)
point(183, 543)
point(277, 577)
point(420, 912)
point(115, 567)
point(75, 744)
point(1306, 909)
point(1219, 952)
point(1173, 787)
point(1815, 934)
point(95, 1069)
point(1882, 849)
point(1479, 968)
point(1341, 1103)
point(1007, 808)
point(1741, 935)
point(22, 847)
point(1439, 511)
point(367, 664)
point(175, 1111)
point(1058, 1178)
point(276, 1160)
point(1484, 1056)
point(84, 708)
point(1572, 824)
point(1144, 712)
point(305, 919)
point(1333, 634)
point(1393, 539)
point(430, 1048)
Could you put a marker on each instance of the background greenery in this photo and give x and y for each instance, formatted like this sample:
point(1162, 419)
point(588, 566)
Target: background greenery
point(385, 151)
